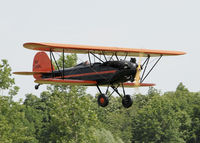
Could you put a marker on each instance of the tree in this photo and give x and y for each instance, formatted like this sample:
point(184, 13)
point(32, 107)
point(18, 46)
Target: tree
point(5, 75)
point(105, 136)
point(71, 118)
point(6, 81)
point(13, 124)
point(14, 127)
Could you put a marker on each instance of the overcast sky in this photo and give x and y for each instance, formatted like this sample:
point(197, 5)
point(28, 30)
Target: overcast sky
point(150, 24)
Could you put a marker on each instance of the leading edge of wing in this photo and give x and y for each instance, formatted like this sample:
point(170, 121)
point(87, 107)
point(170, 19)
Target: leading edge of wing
point(66, 82)
point(84, 49)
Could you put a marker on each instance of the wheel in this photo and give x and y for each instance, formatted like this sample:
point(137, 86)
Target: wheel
point(102, 100)
point(127, 101)
point(37, 86)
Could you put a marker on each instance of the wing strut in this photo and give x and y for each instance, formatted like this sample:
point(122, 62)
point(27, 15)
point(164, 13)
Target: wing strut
point(146, 62)
point(116, 56)
point(52, 55)
point(104, 56)
point(126, 56)
point(63, 64)
point(96, 57)
point(111, 57)
point(51, 64)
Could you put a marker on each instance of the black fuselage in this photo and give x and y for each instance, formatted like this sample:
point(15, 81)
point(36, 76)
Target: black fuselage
point(103, 73)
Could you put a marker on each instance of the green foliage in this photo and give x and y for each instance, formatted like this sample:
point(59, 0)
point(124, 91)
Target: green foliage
point(71, 118)
point(6, 81)
point(156, 122)
point(105, 136)
point(69, 61)
point(168, 118)
point(5, 75)
point(13, 124)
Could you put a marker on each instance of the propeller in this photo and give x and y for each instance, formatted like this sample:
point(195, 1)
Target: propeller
point(137, 76)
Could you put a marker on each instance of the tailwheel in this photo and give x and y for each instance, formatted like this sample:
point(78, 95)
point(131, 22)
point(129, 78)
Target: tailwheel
point(37, 86)
point(102, 100)
point(127, 101)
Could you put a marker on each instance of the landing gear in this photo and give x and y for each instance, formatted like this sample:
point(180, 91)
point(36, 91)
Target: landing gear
point(102, 100)
point(37, 86)
point(127, 101)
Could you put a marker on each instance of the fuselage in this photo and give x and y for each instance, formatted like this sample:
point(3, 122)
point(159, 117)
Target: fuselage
point(103, 73)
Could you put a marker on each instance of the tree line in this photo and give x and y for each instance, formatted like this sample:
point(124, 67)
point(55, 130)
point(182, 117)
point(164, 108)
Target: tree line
point(69, 114)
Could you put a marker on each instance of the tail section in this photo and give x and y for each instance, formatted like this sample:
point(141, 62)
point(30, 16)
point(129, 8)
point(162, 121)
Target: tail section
point(41, 64)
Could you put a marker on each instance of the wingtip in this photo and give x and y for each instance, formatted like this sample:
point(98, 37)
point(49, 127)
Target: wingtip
point(26, 45)
point(182, 53)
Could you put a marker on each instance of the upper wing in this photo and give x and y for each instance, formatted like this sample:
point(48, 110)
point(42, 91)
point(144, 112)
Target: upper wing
point(83, 49)
point(66, 82)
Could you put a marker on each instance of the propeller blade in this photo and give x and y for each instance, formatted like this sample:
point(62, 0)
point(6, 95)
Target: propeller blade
point(137, 77)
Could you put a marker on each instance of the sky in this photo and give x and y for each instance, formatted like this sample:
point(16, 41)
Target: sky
point(155, 24)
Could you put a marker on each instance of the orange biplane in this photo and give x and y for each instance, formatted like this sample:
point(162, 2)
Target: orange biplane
point(111, 71)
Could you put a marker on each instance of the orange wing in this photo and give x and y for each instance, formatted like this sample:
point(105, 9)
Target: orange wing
point(132, 85)
point(128, 84)
point(84, 82)
point(66, 82)
point(84, 49)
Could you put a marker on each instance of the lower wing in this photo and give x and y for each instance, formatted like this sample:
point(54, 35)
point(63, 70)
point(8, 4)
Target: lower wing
point(85, 82)
point(66, 82)
point(127, 84)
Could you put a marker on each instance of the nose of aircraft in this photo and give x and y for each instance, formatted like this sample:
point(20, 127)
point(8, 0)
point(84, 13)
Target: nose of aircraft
point(134, 66)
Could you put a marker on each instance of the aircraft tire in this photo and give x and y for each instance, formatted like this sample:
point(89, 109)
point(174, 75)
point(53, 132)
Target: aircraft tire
point(102, 100)
point(127, 101)
point(36, 87)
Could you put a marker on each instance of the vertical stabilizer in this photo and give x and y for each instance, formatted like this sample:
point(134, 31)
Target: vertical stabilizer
point(41, 63)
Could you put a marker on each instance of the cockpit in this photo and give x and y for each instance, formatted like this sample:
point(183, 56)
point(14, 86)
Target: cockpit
point(86, 63)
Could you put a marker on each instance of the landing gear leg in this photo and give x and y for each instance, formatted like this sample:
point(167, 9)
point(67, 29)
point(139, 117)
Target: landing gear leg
point(37, 86)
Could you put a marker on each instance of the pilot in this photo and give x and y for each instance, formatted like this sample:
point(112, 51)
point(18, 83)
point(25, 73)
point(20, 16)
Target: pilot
point(86, 63)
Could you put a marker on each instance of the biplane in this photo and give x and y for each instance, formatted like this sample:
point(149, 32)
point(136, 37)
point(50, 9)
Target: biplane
point(110, 71)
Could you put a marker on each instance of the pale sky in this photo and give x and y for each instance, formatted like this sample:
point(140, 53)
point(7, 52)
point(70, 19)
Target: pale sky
point(150, 24)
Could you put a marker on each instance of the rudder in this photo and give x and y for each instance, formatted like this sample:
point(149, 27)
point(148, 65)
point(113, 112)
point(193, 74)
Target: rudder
point(41, 63)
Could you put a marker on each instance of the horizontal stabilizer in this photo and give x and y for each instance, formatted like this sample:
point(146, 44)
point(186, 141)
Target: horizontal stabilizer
point(30, 73)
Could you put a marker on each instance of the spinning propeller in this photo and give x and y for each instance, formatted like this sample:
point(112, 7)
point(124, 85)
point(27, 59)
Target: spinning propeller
point(139, 68)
